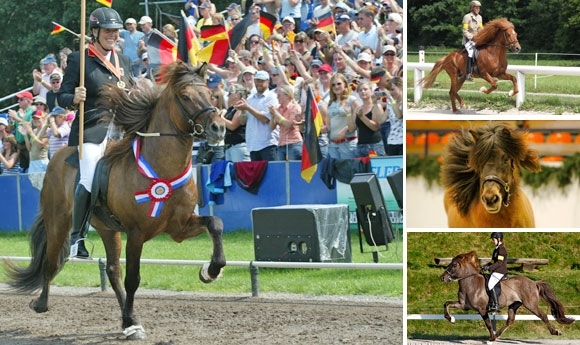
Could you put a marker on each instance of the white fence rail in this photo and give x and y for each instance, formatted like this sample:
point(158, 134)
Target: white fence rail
point(478, 317)
point(520, 71)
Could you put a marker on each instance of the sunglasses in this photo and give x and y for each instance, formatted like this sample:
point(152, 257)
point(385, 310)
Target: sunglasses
point(389, 54)
point(37, 103)
point(254, 42)
point(235, 19)
point(298, 41)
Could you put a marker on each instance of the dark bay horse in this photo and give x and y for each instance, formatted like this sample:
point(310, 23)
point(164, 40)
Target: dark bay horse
point(492, 42)
point(480, 174)
point(516, 291)
point(152, 161)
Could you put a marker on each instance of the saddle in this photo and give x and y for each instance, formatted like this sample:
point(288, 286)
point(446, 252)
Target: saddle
point(497, 287)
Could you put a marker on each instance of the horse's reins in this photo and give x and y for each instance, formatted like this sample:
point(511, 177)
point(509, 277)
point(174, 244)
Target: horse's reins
point(505, 185)
point(509, 45)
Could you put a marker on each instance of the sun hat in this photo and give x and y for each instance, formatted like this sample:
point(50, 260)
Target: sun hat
point(145, 19)
point(262, 75)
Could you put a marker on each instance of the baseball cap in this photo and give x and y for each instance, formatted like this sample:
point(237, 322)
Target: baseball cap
point(205, 4)
point(3, 121)
point(342, 5)
point(145, 19)
point(232, 6)
point(57, 111)
point(389, 48)
point(131, 21)
point(214, 80)
point(315, 62)
point(262, 75)
point(288, 19)
point(38, 114)
point(364, 57)
point(249, 69)
point(342, 18)
point(325, 68)
point(39, 99)
point(25, 94)
point(49, 59)
point(55, 76)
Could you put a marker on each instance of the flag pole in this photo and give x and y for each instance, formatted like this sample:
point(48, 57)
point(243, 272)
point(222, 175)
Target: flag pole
point(70, 31)
point(81, 113)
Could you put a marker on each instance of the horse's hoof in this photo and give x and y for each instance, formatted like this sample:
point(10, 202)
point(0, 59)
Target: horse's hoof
point(511, 93)
point(452, 320)
point(36, 307)
point(135, 332)
point(483, 89)
point(204, 275)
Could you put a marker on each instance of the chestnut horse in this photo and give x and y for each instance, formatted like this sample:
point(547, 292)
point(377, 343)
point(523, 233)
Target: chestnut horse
point(492, 42)
point(516, 291)
point(159, 124)
point(480, 174)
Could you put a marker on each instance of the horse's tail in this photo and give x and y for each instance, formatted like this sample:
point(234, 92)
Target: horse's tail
point(31, 278)
point(556, 307)
point(428, 81)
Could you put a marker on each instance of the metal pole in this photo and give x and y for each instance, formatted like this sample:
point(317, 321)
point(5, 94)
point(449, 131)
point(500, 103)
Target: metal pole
point(254, 277)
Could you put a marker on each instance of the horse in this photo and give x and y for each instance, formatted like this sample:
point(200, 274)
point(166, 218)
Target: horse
point(159, 127)
point(516, 291)
point(480, 174)
point(492, 42)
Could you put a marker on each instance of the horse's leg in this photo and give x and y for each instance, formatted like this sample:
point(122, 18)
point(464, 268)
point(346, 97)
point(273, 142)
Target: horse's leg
point(112, 241)
point(536, 311)
point(507, 76)
point(451, 304)
point(215, 227)
point(487, 321)
point(512, 310)
point(131, 324)
point(487, 77)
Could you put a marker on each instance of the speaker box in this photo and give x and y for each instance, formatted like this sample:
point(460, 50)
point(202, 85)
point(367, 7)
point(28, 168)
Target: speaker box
point(303, 233)
point(370, 209)
point(396, 183)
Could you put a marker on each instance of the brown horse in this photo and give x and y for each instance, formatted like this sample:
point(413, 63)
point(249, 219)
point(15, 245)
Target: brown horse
point(516, 291)
point(492, 41)
point(164, 121)
point(480, 174)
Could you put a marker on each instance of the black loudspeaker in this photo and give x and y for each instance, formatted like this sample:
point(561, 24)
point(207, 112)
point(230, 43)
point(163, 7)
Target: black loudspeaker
point(303, 233)
point(396, 183)
point(370, 210)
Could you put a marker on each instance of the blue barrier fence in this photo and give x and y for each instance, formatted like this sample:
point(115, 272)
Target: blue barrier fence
point(282, 185)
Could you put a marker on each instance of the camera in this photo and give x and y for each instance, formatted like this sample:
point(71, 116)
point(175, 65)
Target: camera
point(380, 93)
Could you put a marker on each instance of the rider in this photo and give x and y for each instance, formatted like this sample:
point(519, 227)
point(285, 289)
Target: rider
point(472, 23)
point(497, 269)
point(102, 65)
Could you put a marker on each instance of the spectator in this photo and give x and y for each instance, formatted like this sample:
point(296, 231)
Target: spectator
point(55, 81)
point(9, 156)
point(369, 117)
point(63, 56)
point(42, 78)
point(131, 37)
point(3, 128)
point(234, 17)
point(395, 108)
point(368, 35)
point(340, 66)
point(39, 103)
point(213, 152)
point(235, 139)
point(288, 116)
point(146, 25)
point(288, 25)
point(247, 79)
point(292, 9)
point(19, 117)
point(341, 107)
point(58, 130)
point(260, 139)
point(216, 84)
point(169, 31)
point(191, 7)
point(37, 142)
point(205, 17)
point(345, 36)
point(254, 28)
point(390, 61)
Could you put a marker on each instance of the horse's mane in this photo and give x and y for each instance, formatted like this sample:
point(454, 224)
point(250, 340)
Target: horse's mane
point(471, 149)
point(470, 258)
point(490, 31)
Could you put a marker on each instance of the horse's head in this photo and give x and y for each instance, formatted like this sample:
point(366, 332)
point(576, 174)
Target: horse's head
point(511, 40)
point(498, 151)
point(499, 32)
point(192, 97)
point(461, 266)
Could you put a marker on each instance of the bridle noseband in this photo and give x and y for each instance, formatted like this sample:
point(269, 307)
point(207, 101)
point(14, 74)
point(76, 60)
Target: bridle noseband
point(505, 186)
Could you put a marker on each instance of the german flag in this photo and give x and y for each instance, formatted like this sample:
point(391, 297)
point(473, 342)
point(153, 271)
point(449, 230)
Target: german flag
point(238, 32)
point(311, 154)
point(213, 32)
point(107, 3)
point(216, 52)
point(160, 49)
point(187, 44)
point(267, 22)
point(57, 29)
point(326, 23)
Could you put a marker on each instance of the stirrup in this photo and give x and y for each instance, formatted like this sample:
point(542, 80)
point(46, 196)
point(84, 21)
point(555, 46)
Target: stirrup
point(74, 249)
point(469, 77)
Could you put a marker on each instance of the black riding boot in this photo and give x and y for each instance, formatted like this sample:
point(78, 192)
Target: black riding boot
point(80, 224)
point(493, 305)
point(468, 70)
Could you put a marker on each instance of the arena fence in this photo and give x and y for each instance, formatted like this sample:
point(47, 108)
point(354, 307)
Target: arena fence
point(478, 318)
point(252, 265)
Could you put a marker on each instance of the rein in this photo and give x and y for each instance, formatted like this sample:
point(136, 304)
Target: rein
point(508, 45)
point(505, 185)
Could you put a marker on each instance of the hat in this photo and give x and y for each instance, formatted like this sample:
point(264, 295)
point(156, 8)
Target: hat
point(145, 19)
point(49, 59)
point(275, 70)
point(131, 20)
point(325, 68)
point(205, 4)
point(38, 114)
point(249, 69)
point(39, 99)
point(389, 48)
point(25, 94)
point(342, 5)
point(144, 56)
point(288, 19)
point(315, 62)
point(342, 18)
point(214, 80)
point(364, 57)
point(262, 75)
point(3, 121)
point(57, 111)
point(232, 6)
point(55, 76)
point(245, 54)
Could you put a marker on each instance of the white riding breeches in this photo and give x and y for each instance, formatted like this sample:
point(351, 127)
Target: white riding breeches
point(91, 155)
point(494, 278)
point(470, 47)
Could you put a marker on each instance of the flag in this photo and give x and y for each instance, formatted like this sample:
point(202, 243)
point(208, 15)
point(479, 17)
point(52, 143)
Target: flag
point(57, 29)
point(107, 3)
point(326, 22)
point(311, 154)
point(160, 49)
point(267, 22)
point(216, 52)
point(188, 45)
point(213, 32)
point(238, 32)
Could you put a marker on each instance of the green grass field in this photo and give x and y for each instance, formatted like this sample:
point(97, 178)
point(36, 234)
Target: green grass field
point(426, 293)
point(238, 246)
point(543, 92)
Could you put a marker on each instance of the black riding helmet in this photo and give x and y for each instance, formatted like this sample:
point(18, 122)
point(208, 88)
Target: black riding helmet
point(497, 235)
point(105, 17)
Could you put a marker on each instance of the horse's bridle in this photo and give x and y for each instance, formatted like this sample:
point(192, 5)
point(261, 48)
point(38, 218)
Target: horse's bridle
point(505, 187)
point(509, 45)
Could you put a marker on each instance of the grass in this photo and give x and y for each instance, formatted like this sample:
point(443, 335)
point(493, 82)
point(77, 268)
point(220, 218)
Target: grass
point(426, 293)
point(238, 246)
point(543, 92)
